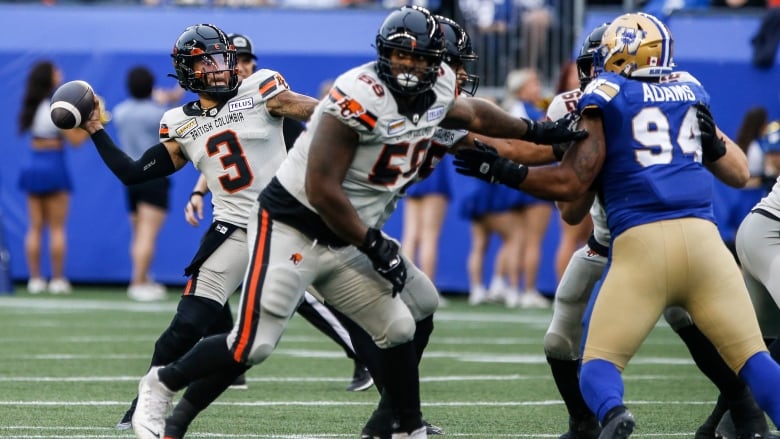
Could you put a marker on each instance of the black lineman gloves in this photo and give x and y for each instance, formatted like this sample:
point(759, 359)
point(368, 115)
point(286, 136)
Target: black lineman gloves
point(384, 254)
point(552, 132)
point(712, 146)
point(484, 163)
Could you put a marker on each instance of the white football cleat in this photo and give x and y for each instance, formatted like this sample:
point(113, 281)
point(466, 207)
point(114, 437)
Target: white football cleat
point(154, 403)
point(420, 433)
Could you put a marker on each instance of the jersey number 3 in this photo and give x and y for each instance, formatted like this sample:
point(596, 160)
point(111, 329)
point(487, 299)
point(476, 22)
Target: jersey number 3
point(239, 175)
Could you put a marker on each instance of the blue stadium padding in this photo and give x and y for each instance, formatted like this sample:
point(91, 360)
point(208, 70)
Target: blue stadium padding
point(99, 44)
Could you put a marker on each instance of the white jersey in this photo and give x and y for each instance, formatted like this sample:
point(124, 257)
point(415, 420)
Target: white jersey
point(392, 147)
point(560, 106)
point(237, 146)
point(771, 202)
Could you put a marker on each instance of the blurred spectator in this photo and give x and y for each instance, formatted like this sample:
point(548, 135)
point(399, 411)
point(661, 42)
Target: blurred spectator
point(664, 8)
point(739, 3)
point(45, 178)
point(770, 145)
point(523, 93)
point(137, 122)
point(752, 129)
point(535, 18)
point(767, 39)
point(492, 209)
point(732, 205)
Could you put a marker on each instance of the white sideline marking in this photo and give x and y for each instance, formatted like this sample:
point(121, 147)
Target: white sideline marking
point(468, 357)
point(282, 436)
point(310, 379)
point(543, 403)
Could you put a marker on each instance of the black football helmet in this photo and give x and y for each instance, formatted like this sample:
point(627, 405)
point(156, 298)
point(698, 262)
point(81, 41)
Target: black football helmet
point(410, 29)
point(243, 45)
point(458, 51)
point(205, 42)
point(585, 58)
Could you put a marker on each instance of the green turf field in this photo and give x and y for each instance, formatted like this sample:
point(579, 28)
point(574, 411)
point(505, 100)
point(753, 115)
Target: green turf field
point(69, 365)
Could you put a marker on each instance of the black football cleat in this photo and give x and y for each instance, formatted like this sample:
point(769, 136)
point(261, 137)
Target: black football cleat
point(619, 423)
point(126, 423)
point(379, 426)
point(239, 383)
point(744, 420)
point(582, 429)
point(361, 379)
point(432, 430)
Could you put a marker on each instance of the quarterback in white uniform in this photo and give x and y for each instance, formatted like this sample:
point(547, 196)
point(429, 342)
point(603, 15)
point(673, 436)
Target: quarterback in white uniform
point(233, 135)
point(319, 220)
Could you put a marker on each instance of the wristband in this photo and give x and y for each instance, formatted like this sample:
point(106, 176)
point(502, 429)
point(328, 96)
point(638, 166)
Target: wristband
point(202, 194)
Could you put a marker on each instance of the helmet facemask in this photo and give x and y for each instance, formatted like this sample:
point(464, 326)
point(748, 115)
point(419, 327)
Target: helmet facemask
point(584, 61)
point(411, 31)
point(406, 80)
point(458, 53)
point(206, 64)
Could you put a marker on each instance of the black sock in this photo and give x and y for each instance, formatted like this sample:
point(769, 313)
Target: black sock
point(366, 350)
point(710, 362)
point(210, 356)
point(422, 334)
point(566, 376)
point(223, 322)
point(774, 350)
point(201, 393)
point(402, 384)
point(180, 419)
point(193, 317)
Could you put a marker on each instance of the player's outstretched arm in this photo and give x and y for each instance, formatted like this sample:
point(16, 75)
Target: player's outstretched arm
point(568, 181)
point(158, 161)
point(484, 117)
point(293, 105)
point(519, 151)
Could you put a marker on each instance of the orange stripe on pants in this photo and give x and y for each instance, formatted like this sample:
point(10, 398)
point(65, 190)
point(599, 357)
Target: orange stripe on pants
point(258, 255)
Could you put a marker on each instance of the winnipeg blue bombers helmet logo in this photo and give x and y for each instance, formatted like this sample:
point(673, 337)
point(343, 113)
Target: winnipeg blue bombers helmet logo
point(628, 40)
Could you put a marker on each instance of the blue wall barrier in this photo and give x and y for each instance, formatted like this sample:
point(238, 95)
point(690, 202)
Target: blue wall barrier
point(99, 44)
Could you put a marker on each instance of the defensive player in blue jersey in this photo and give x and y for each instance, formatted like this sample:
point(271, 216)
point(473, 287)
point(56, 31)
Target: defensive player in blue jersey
point(648, 155)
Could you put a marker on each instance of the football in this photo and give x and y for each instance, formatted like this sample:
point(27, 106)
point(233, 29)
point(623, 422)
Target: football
point(71, 104)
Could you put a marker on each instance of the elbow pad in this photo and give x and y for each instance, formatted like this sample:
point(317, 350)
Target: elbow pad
point(156, 161)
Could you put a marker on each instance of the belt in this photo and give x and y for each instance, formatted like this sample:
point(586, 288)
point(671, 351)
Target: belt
point(766, 213)
point(601, 250)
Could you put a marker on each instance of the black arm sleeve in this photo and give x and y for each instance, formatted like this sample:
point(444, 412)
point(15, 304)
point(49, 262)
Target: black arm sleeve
point(156, 161)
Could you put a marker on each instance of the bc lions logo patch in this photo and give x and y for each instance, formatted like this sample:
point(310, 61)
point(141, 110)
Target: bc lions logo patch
point(296, 258)
point(350, 107)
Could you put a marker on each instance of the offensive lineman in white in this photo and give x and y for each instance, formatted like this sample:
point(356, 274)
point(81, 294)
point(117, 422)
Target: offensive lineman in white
point(319, 221)
point(758, 237)
point(233, 135)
